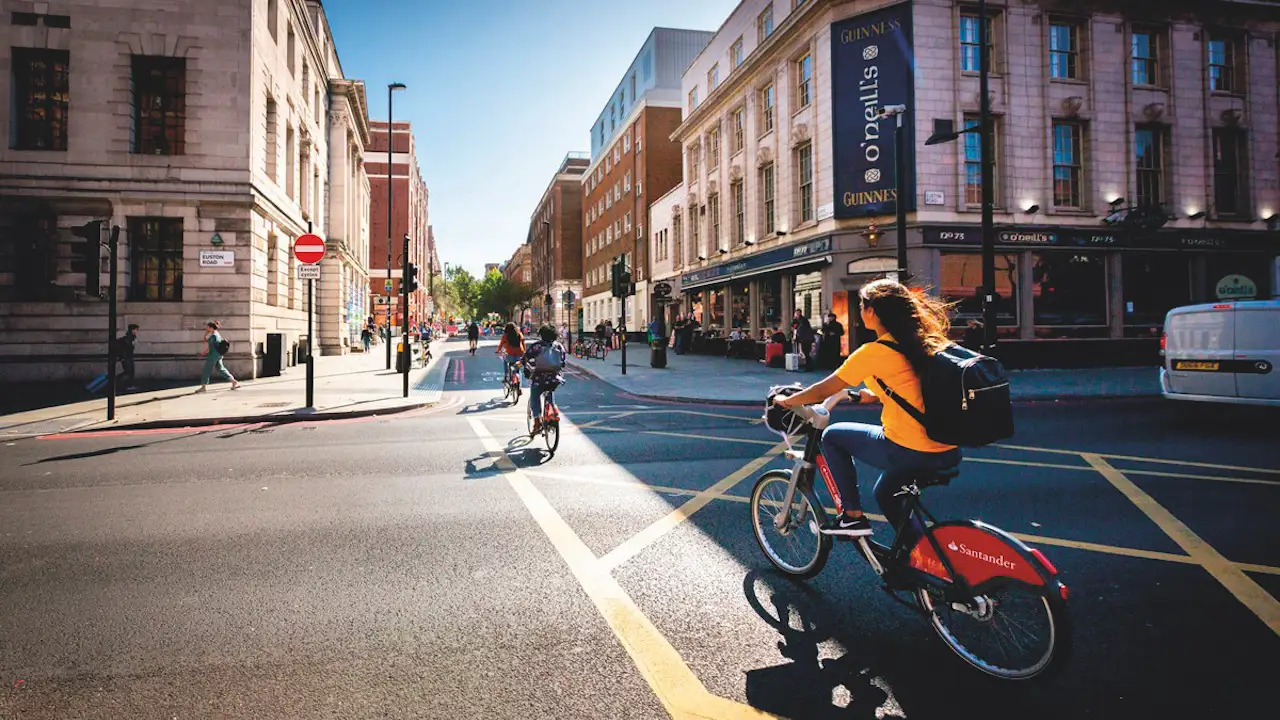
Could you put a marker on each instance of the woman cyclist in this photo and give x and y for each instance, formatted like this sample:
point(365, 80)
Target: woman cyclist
point(511, 348)
point(917, 326)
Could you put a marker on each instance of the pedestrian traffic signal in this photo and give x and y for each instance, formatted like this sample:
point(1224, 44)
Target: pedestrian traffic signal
point(410, 277)
point(91, 253)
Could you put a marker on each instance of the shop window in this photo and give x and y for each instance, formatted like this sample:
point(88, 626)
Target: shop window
point(741, 306)
point(1154, 284)
point(1069, 294)
point(697, 306)
point(155, 249)
point(770, 304)
point(961, 283)
point(1254, 270)
point(715, 311)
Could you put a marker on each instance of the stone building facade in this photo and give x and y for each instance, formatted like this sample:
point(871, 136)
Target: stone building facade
point(208, 135)
point(1135, 148)
point(555, 243)
point(409, 215)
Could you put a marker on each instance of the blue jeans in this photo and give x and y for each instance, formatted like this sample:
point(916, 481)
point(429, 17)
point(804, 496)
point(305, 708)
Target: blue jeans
point(842, 442)
point(536, 388)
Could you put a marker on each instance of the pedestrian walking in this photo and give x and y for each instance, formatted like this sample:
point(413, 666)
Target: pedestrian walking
point(366, 338)
point(124, 353)
point(829, 349)
point(216, 347)
point(609, 336)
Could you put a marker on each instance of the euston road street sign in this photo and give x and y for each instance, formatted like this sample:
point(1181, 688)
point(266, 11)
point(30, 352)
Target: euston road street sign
point(309, 249)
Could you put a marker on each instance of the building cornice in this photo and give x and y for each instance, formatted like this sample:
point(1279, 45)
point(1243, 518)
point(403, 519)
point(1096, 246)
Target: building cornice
point(741, 75)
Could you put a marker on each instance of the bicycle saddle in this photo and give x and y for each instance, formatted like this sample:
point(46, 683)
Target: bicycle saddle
point(929, 478)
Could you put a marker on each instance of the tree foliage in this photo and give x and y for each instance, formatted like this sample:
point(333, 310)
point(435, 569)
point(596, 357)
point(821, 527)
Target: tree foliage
point(461, 294)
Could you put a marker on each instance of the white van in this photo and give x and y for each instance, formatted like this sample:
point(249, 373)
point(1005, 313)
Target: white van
point(1223, 352)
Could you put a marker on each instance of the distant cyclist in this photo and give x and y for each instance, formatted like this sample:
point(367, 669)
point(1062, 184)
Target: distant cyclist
point(511, 348)
point(545, 361)
point(473, 336)
point(917, 324)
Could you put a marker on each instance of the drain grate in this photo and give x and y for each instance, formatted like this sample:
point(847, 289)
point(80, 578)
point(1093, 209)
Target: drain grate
point(276, 404)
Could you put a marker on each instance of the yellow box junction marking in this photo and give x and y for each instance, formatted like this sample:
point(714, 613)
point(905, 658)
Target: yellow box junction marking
point(679, 690)
point(1245, 588)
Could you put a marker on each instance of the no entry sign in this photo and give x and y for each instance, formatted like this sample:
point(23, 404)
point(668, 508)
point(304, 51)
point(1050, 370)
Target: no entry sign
point(308, 249)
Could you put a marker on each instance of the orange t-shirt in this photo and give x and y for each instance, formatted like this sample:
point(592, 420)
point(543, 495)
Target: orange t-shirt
point(873, 360)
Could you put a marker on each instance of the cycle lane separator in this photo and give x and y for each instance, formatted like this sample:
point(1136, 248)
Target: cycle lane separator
point(1245, 589)
point(659, 663)
point(1033, 540)
point(655, 531)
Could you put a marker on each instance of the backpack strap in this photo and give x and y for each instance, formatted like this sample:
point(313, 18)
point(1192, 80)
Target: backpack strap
point(901, 401)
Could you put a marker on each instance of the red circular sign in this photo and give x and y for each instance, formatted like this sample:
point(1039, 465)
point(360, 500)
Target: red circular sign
point(308, 249)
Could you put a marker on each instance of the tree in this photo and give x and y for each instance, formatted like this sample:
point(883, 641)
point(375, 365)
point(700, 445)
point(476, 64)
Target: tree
point(496, 294)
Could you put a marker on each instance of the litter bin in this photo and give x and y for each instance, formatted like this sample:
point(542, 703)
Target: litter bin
point(274, 359)
point(658, 353)
point(403, 354)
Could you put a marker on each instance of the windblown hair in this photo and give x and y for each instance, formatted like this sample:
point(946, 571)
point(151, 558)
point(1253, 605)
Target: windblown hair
point(548, 334)
point(917, 321)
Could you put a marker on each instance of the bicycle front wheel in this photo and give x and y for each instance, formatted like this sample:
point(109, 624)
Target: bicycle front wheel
point(528, 418)
point(1012, 632)
point(789, 537)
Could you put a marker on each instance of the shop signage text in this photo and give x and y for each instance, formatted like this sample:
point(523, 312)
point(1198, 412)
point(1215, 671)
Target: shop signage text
point(872, 66)
point(1236, 287)
point(1085, 237)
point(759, 261)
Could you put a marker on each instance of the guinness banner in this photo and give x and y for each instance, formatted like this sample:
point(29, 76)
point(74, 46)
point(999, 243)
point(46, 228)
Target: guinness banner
point(872, 65)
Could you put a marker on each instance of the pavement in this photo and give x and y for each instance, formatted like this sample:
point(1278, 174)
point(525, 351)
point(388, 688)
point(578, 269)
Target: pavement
point(442, 564)
point(345, 386)
point(709, 378)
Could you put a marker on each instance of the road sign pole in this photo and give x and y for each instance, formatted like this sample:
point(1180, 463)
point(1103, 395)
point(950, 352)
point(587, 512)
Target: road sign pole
point(113, 266)
point(623, 330)
point(404, 288)
point(311, 341)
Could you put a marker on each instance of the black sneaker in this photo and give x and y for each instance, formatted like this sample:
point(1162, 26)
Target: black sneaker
point(847, 526)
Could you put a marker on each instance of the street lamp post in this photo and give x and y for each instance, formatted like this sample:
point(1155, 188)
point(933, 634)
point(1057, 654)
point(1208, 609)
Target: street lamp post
point(391, 88)
point(900, 183)
point(983, 129)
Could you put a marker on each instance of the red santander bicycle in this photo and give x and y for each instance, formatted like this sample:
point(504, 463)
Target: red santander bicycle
point(994, 601)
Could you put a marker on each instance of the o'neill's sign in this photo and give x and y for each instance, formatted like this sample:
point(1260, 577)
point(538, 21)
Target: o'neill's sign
point(872, 66)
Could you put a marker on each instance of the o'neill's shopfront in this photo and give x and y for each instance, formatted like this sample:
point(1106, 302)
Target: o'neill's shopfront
point(1088, 296)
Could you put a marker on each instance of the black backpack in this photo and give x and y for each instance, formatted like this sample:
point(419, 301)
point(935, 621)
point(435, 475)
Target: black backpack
point(966, 397)
point(224, 346)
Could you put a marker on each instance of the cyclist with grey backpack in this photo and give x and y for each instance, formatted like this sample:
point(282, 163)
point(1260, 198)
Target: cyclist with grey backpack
point(216, 348)
point(544, 361)
point(940, 397)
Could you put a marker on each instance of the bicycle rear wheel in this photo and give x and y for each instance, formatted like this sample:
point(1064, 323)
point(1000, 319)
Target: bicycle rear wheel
point(551, 435)
point(528, 418)
point(1012, 632)
point(797, 548)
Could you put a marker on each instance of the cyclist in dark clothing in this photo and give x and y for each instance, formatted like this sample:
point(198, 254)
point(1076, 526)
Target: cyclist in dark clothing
point(473, 336)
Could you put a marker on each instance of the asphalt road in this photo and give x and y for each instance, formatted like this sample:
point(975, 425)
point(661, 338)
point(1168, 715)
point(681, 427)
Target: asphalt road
point(442, 565)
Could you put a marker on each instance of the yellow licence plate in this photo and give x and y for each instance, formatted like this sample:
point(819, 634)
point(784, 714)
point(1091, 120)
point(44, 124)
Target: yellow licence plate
point(1194, 365)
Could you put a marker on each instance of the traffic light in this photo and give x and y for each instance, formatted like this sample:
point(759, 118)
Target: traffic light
point(410, 277)
point(91, 253)
point(614, 278)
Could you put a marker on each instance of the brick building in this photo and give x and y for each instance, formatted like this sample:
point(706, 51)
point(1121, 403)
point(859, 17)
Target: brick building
point(519, 269)
point(212, 136)
point(409, 215)
point(633, 160)
point(1135, 147)
point(555, 241)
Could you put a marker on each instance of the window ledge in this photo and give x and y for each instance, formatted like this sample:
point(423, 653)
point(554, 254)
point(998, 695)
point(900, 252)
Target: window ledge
point(1069, 81)
point(1152, 88)
point(801, 109)
point(1227, 94)
point(975, 73)
point(1069, 211)
point(765, 134)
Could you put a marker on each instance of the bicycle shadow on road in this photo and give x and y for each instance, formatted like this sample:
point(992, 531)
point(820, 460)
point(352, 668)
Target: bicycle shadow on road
point(811, 684)
point(486, 406)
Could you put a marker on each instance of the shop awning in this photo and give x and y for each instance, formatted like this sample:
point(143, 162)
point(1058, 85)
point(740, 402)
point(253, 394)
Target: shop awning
point(811, 252)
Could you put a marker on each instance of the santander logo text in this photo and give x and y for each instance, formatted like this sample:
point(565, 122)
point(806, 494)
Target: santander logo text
point(979, 555)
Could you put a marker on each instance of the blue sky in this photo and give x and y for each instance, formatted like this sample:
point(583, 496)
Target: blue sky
point(498, 92)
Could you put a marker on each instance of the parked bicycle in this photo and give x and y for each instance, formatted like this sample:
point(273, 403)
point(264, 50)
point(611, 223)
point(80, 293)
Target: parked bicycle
point(587, 347)
point(996, 602)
